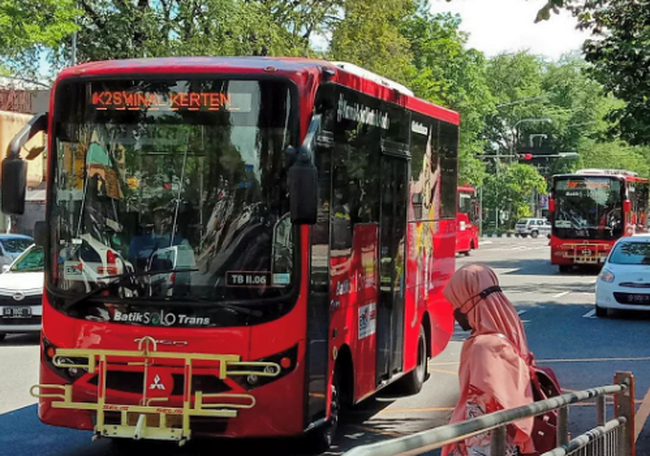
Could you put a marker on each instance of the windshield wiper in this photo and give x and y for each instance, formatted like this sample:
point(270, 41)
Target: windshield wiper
point(119, 278)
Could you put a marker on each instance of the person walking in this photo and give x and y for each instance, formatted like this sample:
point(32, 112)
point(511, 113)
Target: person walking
point(494, 374)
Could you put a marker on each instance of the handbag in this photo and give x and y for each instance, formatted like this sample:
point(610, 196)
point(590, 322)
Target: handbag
point(545, 385)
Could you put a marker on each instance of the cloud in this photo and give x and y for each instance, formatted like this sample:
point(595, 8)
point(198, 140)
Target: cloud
point(497, 26)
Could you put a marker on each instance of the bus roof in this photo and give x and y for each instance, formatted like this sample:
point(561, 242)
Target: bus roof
point(301, 70)
point(616, 173)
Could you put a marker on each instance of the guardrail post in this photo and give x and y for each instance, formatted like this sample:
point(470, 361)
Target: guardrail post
point(498, 445)
point(562, 426)
point(624, 406)
point(601, 411)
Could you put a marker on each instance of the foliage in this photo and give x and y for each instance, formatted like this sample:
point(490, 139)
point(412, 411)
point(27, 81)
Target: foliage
point(512, 189)
point(448, 73)
point(614, 154)
point(28, 26)
point(369, 36)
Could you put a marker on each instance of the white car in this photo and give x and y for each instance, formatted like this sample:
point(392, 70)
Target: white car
point(21, 293)
point(624, 282)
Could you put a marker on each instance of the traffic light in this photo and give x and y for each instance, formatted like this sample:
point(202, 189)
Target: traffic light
point(526, 157)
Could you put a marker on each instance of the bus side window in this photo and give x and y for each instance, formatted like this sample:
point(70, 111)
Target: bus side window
point(449, 164)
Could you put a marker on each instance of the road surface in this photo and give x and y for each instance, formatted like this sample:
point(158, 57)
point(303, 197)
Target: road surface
point(562, 330)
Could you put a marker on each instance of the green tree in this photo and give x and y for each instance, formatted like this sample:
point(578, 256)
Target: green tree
point(369, 35)
point(448, 73)
point(512, 189)
point(27, 27)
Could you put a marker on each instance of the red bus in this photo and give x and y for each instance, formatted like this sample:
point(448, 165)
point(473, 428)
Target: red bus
point(591, 209)
point(467, 219)
point(237, 247)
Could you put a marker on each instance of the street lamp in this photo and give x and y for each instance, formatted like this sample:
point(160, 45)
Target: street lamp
point(532, 119)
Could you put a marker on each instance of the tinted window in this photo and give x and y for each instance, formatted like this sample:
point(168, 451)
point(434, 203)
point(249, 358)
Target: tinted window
point(355, 174)
point(16, 245)
point(198, 166)
point(631, 253)
point(31, 260)
point(588, 208)
point(449, 164)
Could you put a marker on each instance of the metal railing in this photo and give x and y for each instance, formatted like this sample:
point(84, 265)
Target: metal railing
point(609, 438)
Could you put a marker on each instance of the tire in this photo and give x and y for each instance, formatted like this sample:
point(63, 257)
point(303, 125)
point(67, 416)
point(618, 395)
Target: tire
point(466, 253)
point(601, 312)
point(524, 235)
point(534, 234)
point(2, 336)
point(412, 382)
point(516, 234)
point(321, 439)
point(564, 268)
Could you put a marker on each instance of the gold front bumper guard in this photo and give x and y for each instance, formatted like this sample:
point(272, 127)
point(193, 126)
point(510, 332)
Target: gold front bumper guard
point(585, 253)
point(149, 420)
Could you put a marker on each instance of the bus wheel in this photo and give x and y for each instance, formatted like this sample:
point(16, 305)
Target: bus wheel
point(564, 268)
point(412, 382)
point(2, 336)
point(321, 438)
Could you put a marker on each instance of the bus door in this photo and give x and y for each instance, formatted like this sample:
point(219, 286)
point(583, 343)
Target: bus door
point(390, 309)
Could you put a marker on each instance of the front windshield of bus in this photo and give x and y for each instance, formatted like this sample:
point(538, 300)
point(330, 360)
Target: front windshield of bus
point(176, 185)
point(588, 207)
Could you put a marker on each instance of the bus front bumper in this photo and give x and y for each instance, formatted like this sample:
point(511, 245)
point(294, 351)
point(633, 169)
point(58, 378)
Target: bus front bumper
point(152, 417)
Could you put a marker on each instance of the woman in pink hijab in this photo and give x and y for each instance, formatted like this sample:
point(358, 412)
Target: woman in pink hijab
point(493, 373)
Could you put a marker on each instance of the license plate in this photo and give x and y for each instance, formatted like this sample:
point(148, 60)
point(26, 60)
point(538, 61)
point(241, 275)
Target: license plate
point(639, 298)
point(16, 312)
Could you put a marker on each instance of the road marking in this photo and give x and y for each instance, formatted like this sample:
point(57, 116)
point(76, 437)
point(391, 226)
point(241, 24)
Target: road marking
point(559, 295)
point(590, 314)
point(642, 415)
point(521, 312)
point(591, 360)
point(442, 371)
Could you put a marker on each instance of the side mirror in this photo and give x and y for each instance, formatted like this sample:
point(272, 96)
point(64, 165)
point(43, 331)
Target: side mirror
point(303, 179)
point(40, 233)
point(14, 186)
point(627, 206)
point(14, 169)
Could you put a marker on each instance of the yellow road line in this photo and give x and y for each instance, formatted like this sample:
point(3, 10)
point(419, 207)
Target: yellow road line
point(445, 363)
point(442, 371)
point(642, 415)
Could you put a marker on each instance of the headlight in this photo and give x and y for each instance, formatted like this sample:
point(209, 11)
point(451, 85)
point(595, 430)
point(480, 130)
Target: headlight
point(606, 276)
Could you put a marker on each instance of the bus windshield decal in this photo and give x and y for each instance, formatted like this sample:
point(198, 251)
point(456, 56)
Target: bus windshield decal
point(172, 101)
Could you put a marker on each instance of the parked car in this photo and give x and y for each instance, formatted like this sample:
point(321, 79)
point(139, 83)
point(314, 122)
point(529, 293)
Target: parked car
point(624, 281)
point(532, 227)
point(21, 293)
point(11, 246)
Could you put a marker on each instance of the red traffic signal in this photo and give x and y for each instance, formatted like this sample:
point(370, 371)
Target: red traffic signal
point(526, 156)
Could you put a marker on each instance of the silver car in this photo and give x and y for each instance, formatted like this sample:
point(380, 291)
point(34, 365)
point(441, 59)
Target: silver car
point(532, 227)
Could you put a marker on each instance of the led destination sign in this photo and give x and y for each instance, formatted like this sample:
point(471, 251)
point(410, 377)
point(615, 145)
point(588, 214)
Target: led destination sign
point(122, 100)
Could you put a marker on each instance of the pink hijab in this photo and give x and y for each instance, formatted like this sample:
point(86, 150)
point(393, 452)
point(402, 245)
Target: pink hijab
point(488, 361)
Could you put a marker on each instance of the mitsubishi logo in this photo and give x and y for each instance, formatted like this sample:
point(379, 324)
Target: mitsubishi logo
point(157, 384)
